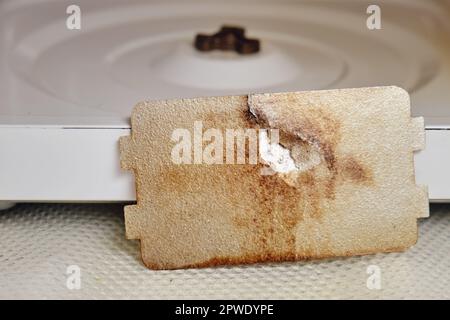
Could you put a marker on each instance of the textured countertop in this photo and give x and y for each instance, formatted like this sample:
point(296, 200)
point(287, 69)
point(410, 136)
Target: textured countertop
point(41, 243)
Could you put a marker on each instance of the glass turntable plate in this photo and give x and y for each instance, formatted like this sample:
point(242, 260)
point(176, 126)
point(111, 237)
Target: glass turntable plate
point(128, 51)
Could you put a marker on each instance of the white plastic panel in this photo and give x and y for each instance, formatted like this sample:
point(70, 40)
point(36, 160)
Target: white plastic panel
point(71, 165)
point(51, 164)
point(433, 165)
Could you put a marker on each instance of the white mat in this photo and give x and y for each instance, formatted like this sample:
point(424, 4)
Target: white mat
point(39, 242)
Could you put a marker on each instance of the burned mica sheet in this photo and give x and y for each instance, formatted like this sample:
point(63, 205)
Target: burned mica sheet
point(338, 180)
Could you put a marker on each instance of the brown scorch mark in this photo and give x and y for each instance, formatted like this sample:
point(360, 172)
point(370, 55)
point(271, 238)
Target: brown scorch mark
point(280, 205)
point(280, 201)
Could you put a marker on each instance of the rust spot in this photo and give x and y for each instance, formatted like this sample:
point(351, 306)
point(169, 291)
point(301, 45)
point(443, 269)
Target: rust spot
point(354, 171)
point(175, 179)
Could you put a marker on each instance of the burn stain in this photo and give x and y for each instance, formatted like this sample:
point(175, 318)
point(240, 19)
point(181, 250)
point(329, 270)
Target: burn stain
point(352, 170)
point(282, 206)
point(278, 213)
point(268, 228)
point(249, 118)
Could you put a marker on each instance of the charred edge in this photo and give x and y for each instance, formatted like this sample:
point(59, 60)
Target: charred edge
point(275, 258)
point(248, 117)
